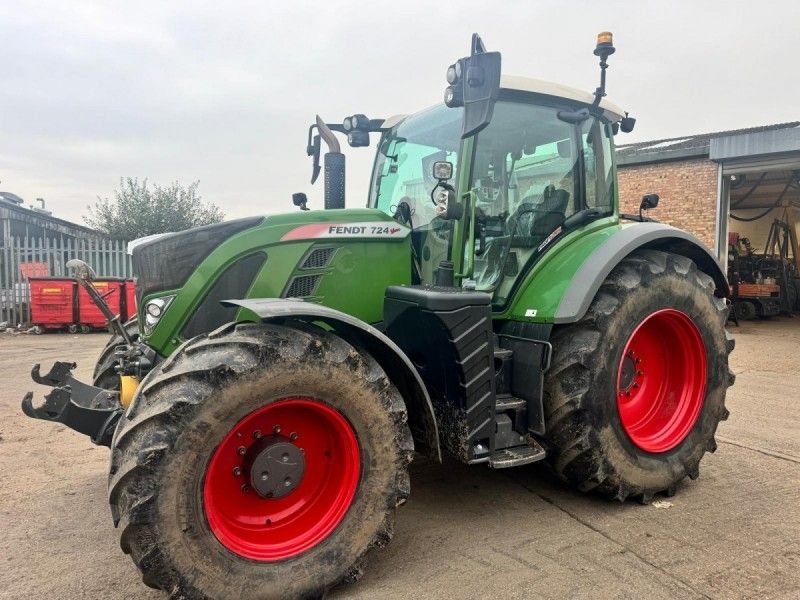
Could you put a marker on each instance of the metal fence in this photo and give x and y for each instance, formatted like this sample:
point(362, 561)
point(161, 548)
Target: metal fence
point(22, 258)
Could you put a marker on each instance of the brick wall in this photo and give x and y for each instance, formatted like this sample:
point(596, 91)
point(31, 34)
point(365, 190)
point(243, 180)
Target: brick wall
point(687, 191)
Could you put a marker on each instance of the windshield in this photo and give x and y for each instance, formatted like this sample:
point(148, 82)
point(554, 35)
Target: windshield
point(403, 173)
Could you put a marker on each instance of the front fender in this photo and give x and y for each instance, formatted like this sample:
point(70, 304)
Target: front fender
point(391, 358)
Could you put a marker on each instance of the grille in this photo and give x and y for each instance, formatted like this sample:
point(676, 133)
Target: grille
point(302, 286)
point(318, 258)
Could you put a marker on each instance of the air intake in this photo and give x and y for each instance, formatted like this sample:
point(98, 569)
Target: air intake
point(318, 258)
point(302, 287)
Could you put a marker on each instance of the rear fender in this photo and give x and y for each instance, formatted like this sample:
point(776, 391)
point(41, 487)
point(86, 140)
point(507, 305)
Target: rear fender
point(391, 358)
point(655, 236)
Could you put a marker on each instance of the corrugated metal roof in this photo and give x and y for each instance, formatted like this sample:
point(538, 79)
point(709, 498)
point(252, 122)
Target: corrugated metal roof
point(686, 146)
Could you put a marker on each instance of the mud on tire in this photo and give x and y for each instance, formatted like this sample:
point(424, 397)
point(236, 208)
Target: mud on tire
point(188, 404)
point(591, 448)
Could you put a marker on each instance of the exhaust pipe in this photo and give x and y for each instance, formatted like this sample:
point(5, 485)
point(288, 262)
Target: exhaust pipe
point(334, 168)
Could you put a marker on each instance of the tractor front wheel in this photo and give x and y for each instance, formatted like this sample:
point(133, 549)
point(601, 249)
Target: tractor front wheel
point(259, 461)
point(637, 387)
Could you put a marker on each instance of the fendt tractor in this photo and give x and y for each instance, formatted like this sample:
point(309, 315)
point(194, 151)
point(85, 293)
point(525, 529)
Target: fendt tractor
point(490, 303)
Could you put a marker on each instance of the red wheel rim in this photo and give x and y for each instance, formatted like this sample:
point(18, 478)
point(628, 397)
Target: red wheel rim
point(271, 529)
point(661, 381)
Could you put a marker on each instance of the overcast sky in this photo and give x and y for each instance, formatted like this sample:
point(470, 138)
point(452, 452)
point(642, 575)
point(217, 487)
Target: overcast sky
point(224, 92)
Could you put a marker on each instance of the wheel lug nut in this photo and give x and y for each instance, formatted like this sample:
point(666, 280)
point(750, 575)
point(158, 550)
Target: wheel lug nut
point(257, 434)
point(293, 436)
point(241, 450)
point(237, 471)
point(287, 482)
point(245, 488)
point(265, 476)
point(276, 429)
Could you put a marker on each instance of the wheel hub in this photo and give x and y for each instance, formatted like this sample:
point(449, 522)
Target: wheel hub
point(274, 466)
point(628, 373)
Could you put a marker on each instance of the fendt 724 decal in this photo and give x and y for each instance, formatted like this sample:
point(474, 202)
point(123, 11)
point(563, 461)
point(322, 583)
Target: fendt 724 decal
point(367, 229)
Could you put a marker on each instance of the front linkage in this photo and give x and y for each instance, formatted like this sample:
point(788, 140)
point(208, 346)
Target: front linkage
point(85, 408)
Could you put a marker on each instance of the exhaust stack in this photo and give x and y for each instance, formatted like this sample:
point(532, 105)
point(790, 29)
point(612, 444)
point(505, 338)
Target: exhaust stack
point(334, 167)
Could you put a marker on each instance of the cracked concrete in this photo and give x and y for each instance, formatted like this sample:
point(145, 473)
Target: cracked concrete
point(466, 532)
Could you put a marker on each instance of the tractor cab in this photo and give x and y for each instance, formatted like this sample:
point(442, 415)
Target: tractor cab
point(527, 178)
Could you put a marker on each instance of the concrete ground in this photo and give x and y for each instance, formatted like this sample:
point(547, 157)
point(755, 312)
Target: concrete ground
point(466, 532)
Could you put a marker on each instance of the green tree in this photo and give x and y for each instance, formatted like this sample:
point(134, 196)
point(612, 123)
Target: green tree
point(139, 209)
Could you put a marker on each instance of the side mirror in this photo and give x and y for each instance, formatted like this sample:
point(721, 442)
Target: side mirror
point(300, 200)
point(626, 124)
point(442, 170)
point(649, 201)
point(474, 83)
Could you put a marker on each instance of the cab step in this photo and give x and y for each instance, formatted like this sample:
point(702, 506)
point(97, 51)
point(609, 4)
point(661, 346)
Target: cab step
point(517, 455)
point(504, 403)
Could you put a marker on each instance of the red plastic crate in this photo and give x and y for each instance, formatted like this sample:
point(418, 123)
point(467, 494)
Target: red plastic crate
point(53, 302)
point(130, 300)
point(111, 290)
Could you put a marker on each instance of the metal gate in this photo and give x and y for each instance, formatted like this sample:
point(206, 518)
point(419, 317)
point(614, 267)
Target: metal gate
point(21, 258)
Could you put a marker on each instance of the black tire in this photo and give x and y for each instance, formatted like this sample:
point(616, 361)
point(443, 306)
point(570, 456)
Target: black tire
point(185, 407)
point(790, 292)
point(745, 311)
point(104, 375)
point(796, 284)
point(592, 450)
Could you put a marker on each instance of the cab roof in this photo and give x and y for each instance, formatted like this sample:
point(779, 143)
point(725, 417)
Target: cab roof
point(547, 88)
point(538, 86)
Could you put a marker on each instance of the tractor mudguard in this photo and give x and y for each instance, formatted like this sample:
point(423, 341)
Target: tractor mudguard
point(391, 358)
point(656, 236)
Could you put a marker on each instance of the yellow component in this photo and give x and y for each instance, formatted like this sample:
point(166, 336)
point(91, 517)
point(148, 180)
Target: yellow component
point(100, 284)
point(605, 37)
point(128, 387)
point(51, 290)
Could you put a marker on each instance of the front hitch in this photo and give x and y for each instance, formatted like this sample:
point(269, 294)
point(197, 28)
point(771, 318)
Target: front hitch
point(85, 408)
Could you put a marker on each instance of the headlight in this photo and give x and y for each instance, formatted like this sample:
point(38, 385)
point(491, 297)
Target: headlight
point(153, 310)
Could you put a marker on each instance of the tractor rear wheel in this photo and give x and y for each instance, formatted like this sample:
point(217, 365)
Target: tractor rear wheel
point(104, 374)
point(259, 461)
point(637, 387)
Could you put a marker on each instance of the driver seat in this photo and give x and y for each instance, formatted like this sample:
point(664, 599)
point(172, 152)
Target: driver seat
point(538, 217)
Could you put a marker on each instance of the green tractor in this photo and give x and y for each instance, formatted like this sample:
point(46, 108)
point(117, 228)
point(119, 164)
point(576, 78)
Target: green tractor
point(490, 303)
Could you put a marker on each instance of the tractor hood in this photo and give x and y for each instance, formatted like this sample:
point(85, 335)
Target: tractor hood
point(166, 261)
